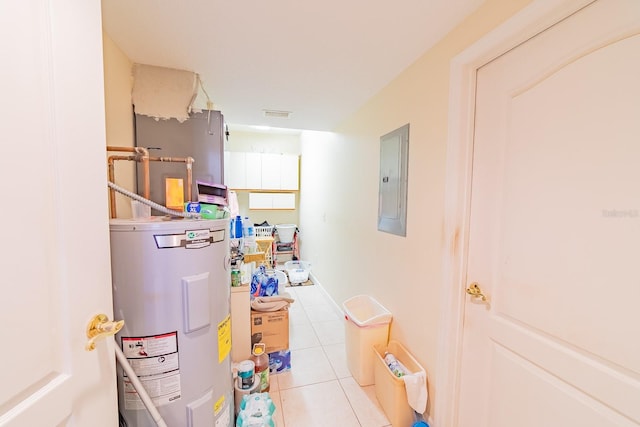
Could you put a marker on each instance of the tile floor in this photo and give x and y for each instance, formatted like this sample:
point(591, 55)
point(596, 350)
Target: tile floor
point(319, 389)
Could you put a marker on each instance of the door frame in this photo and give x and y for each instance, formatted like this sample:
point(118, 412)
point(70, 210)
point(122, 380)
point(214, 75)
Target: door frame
point(530, 21)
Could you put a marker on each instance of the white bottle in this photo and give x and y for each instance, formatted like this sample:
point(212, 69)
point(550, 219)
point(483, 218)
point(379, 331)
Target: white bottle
point(396, 367)
point(249, 232)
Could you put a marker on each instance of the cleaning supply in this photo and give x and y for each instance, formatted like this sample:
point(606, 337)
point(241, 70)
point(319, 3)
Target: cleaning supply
point(237, 232)
point(260, 359)
point(256, 410)
point(249, 233)
point(418, 420)
point(396, 367)
point(246, 373)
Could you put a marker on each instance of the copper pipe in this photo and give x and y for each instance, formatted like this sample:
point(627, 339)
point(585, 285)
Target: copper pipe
point(111, 178)
point(142, 155)
point(190, 178)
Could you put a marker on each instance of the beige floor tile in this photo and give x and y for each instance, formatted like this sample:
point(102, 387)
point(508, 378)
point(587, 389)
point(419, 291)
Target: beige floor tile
point(308, 366)
point(330, 332)
point(318, 405)
point(277, 415)
point(298, 316)
point(302, 335)
point(364, 403)
point(321, 313)
point(273, 383)
point(311, 295)
point(338, 359)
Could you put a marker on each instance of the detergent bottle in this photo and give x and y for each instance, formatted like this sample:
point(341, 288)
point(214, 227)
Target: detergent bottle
point(261, 360)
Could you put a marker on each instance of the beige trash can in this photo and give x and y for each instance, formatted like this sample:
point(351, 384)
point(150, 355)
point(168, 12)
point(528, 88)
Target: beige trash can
point(366, 325)
point(390, 390)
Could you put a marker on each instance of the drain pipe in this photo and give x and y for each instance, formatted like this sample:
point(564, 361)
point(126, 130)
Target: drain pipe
point(144, 396)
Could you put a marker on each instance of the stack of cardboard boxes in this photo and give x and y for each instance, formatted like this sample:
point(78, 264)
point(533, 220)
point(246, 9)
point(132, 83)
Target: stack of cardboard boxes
point(272, 329)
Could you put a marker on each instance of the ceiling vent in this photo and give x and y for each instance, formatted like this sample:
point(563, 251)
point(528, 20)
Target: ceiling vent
point(277, 114)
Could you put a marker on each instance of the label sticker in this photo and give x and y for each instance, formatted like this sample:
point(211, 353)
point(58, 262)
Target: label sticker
point(217, 407)
point(198, 238)
point(155, 361)
point(225, 417)
point(224, 338)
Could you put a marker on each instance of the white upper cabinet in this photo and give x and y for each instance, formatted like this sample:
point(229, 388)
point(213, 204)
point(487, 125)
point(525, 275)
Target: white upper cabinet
point(253, 170)
point(261, 171)
point(289, 172)
point(271, 169)
point(235, 169)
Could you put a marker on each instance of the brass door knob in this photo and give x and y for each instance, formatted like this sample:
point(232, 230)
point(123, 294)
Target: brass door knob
point(475, 291)
point(100, 326)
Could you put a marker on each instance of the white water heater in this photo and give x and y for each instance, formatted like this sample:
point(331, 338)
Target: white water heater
point(171, 286)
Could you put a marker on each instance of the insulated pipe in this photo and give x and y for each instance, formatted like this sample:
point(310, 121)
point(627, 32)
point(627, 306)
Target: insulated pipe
point(144, 396)
point(153, 204)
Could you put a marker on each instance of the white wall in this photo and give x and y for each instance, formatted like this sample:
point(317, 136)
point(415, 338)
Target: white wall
point(338, 207)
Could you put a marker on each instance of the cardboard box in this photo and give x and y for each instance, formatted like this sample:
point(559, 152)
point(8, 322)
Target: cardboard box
point(279, 361)
point(270, 328)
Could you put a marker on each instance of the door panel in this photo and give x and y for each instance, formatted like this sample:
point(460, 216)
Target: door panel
point(555, 229)
point(52, 175)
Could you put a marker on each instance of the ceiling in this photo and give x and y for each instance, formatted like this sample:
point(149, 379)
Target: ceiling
point(320, 61)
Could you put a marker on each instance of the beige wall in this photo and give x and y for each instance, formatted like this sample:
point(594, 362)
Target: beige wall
point(285, 142)
point(339, 186)
point(339, 203)
point(118, 83)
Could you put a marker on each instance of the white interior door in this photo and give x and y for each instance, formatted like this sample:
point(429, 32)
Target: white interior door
point(554, 233)
point(55, 264)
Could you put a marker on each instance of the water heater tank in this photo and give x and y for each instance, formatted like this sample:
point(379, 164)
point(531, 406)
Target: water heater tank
point(171, 286)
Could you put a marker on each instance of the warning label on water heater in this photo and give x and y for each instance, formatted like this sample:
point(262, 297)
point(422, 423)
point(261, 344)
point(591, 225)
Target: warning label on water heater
point(155, 361)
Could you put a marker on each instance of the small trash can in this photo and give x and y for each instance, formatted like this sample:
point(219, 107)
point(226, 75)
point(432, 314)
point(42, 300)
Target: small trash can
point(366, 325)
point(391, 390)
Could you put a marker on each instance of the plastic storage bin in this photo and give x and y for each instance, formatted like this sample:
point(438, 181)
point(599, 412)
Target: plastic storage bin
point(390, 390)
point(366, 325)
point(286, 232)
point(264, 231)
point(298, 271)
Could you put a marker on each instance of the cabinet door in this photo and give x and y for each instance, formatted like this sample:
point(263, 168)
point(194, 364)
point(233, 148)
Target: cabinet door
point(289, 172)
point(283, 201)
point(271, 166)
point(253, 164)
point(236, 170)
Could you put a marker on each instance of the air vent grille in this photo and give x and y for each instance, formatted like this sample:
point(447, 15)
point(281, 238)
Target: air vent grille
point(277, 114)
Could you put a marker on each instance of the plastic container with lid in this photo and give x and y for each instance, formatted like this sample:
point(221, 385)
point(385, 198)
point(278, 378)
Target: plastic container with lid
point(260, 358)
